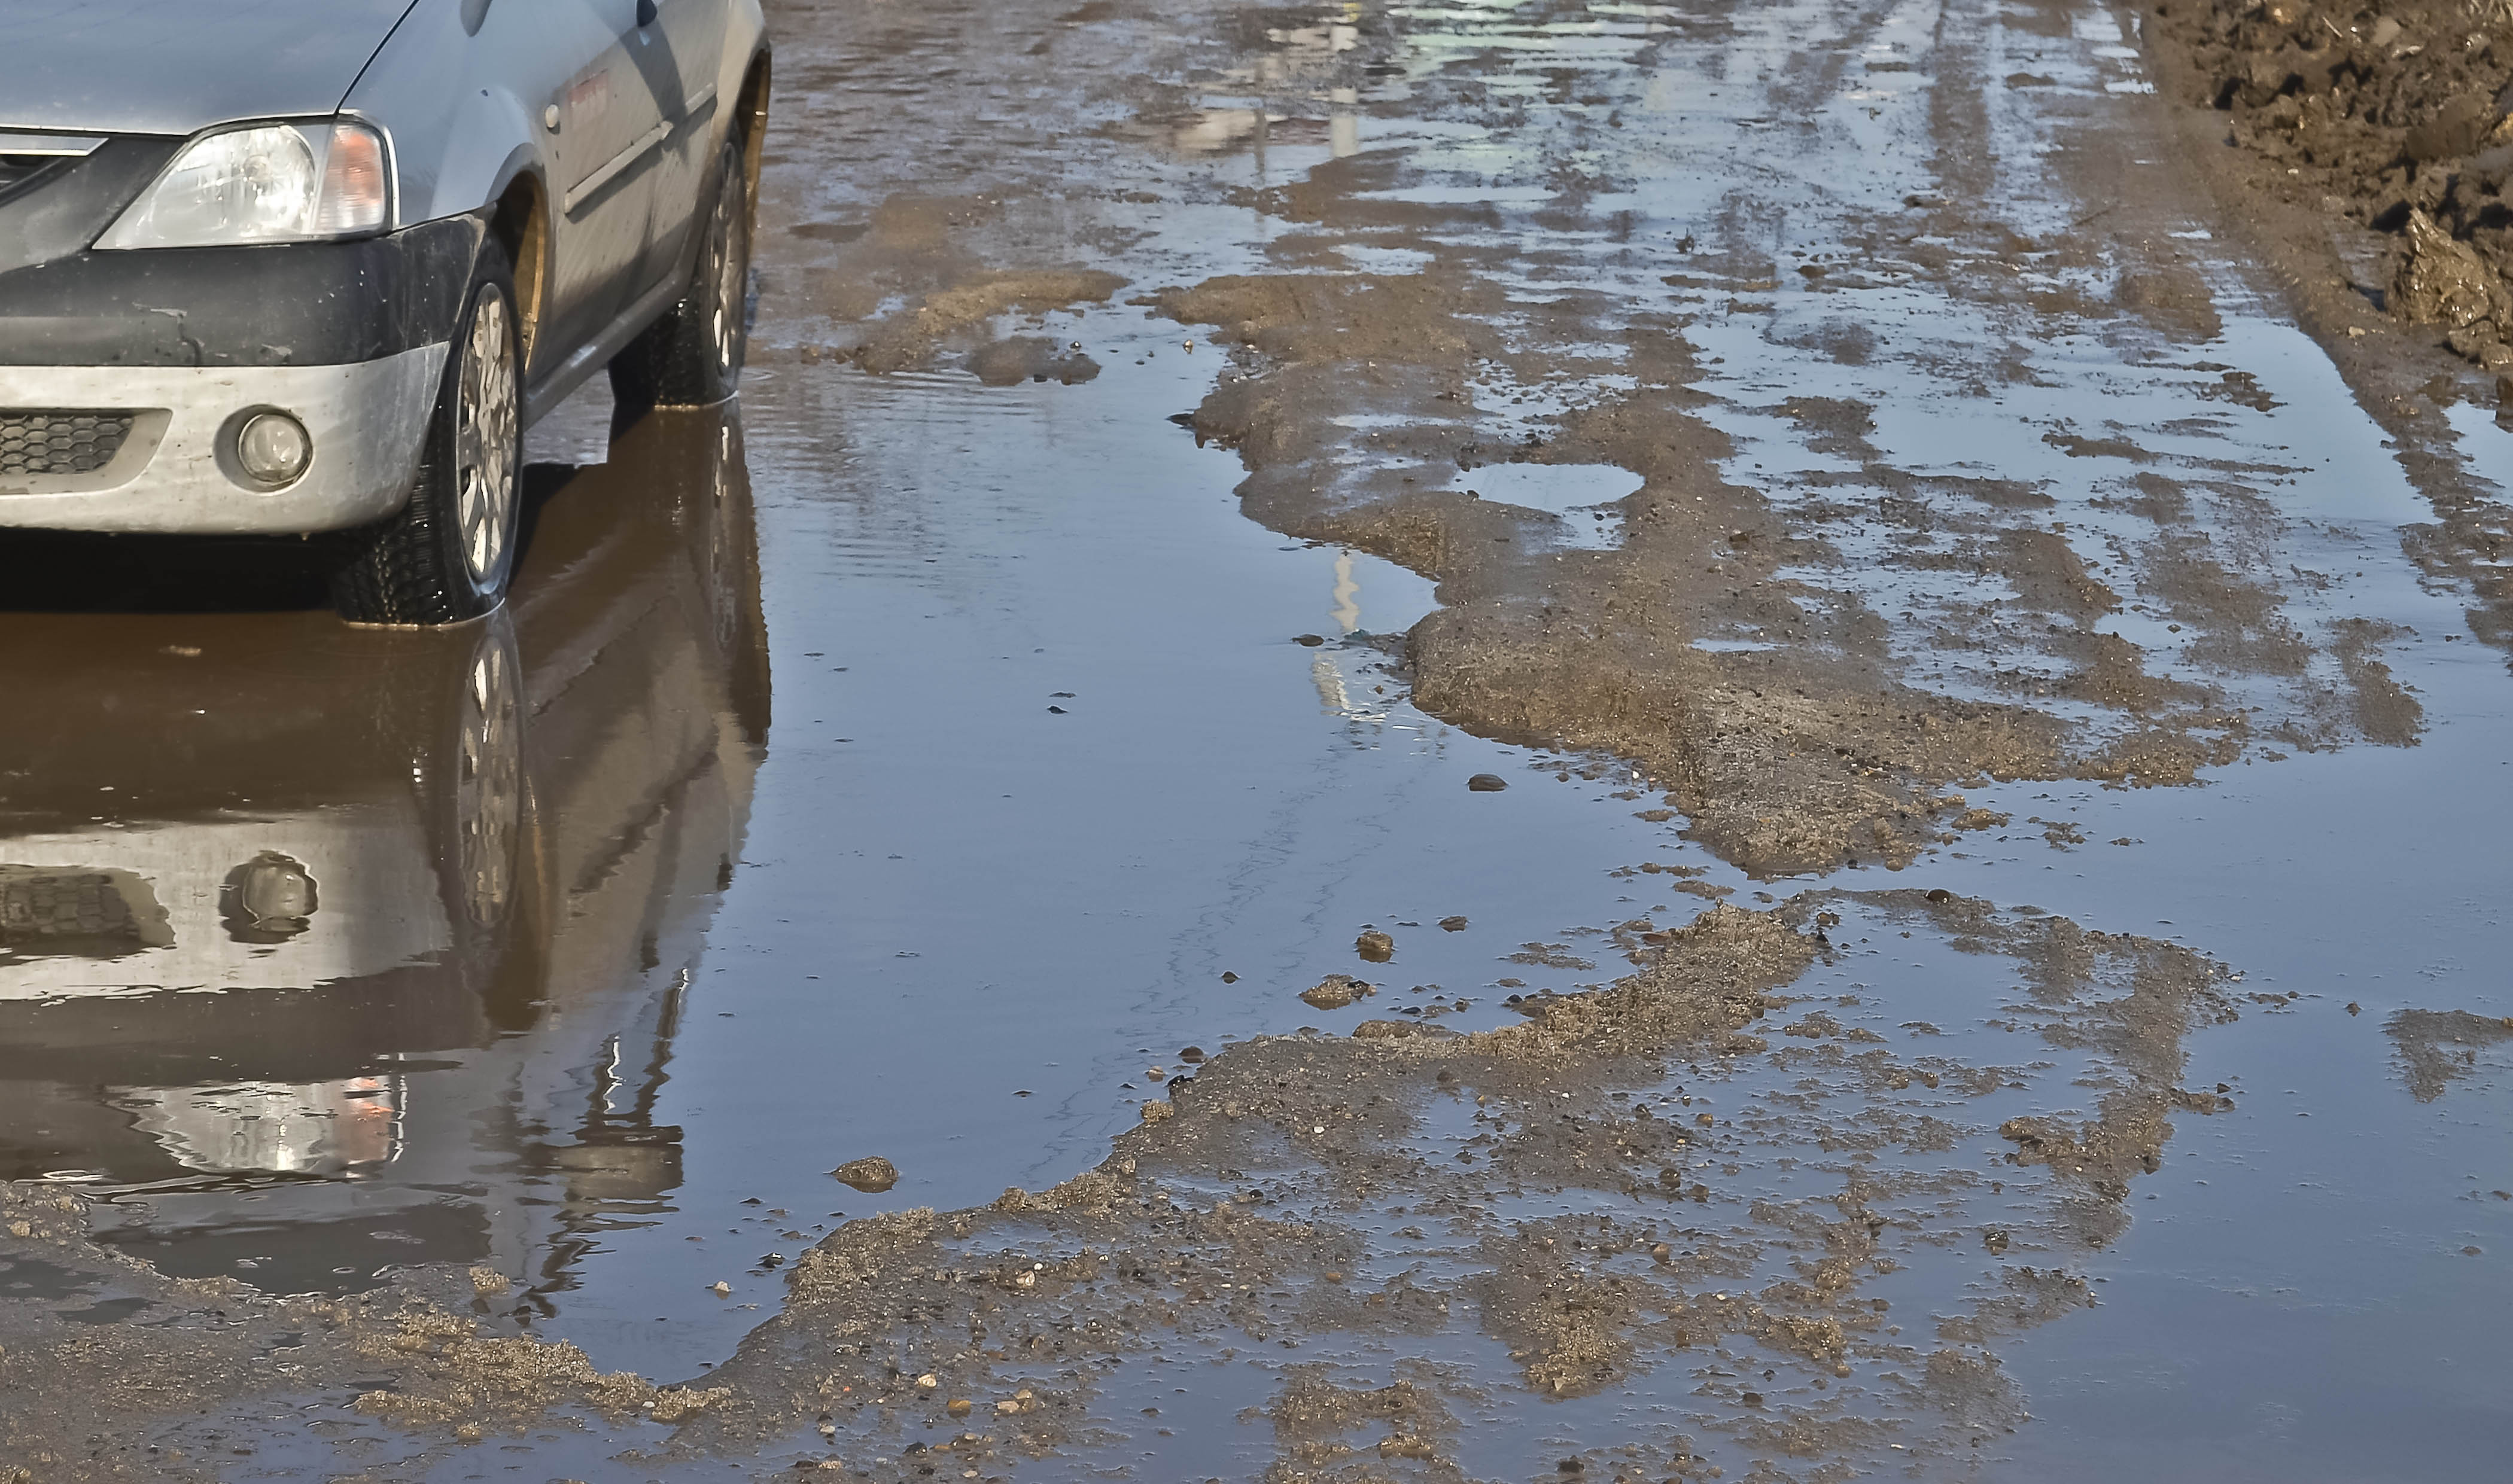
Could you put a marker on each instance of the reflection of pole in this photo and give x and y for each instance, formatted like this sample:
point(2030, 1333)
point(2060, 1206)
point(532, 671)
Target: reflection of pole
point(1343, 126)
point(1348, 613)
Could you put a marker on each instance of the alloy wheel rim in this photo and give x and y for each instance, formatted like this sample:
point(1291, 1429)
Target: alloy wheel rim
point(483, 440)
point(726, 319)
point(487, 784)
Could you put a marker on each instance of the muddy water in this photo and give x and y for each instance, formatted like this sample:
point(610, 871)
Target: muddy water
point(915, 764)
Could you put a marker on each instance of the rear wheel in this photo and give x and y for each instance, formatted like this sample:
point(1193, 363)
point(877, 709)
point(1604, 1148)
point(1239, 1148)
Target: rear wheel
point(446, 555)
point(692, 357)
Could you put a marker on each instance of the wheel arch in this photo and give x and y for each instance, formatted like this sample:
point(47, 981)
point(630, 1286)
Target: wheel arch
point(518, 214)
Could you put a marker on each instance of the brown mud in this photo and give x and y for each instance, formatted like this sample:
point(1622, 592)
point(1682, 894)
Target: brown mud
point(1568, 1189)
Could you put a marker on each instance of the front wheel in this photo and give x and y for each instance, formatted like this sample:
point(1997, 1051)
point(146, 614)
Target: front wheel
point(447, 557)
point(692, 357)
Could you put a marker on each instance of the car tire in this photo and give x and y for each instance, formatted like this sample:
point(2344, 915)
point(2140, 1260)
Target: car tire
point(692, 357)
point(446, 555)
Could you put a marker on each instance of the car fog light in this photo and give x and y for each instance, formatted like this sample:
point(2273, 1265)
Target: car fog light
point(273, 448)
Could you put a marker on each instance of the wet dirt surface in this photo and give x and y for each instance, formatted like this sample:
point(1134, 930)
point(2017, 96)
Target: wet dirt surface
point(958, 926)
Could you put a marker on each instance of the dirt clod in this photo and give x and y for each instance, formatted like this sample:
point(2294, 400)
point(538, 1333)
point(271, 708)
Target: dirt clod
point(872, 1173)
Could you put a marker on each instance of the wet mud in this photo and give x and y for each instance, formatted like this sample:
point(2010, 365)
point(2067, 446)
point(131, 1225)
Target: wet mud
point(1581, 1190)
point(1986, 498)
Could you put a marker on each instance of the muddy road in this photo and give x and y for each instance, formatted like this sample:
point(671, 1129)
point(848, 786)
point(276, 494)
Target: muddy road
point(1483, 741)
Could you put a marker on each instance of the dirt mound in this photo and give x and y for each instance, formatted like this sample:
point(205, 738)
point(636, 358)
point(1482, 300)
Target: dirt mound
point(2393, 116)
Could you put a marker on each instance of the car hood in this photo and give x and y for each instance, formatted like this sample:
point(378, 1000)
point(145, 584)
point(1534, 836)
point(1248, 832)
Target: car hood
point(175, 66)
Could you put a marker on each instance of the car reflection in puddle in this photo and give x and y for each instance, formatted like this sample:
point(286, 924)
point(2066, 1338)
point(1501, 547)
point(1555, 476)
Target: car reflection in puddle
point(325, 950)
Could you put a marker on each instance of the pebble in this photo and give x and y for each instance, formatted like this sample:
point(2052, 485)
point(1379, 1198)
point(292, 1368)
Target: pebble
point(957, 1406)
point(1452, 925)
point(1375, 945)
point(1486, 783)
point(720, 1288)
point(1192, 1055)
point(872, 1173)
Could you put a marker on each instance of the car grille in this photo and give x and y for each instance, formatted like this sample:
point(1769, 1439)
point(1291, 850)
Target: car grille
point(59, 442)
point(19, 171)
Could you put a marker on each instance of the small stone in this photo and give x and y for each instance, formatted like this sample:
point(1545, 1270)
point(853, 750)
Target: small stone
point(1192, 1055)
point(929, 1381)
point(1452, 925)
point(489, 1281)
point(1311, 640)
point(1941, 894)
point(1486, 783)
point(1335, 992)
point(957, 1406)
point(1752, 1398)
point(1025, 1281)
point(719, 1288)
point(871, 1174)
point(1229, 977)
point(1661, 1254)
point(1994, 1240)
point(1375, 945)
point(2353, 1008)
point(1008, 1406)
point(1154, 1113)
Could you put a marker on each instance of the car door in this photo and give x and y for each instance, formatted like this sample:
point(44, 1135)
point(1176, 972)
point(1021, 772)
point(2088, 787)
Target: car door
point(608, 130)
point(682, 60)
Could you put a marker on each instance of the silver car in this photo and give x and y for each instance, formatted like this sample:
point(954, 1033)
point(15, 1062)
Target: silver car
point(311, 267)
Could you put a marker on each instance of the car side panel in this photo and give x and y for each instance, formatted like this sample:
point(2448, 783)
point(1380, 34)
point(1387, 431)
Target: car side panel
point(687, 72)
point(611, 131)
point(461, 87)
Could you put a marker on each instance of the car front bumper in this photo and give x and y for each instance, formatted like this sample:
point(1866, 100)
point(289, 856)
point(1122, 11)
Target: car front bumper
point(174, 469)
point(165, 347)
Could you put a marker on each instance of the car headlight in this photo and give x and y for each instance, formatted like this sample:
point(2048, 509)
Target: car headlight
point(264, 183)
